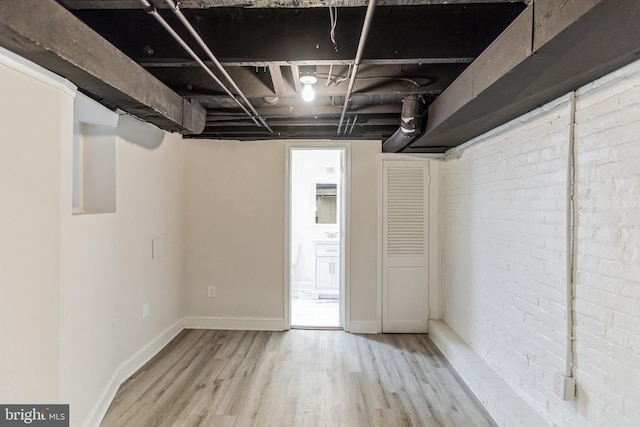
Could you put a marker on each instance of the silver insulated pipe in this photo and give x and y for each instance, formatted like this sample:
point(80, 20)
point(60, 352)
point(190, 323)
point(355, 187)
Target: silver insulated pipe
point(410, 125)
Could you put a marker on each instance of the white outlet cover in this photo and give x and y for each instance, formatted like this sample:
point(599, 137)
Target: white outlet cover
point(145, 311)
point(156, 248)
point(564, 387)
point(211, 292)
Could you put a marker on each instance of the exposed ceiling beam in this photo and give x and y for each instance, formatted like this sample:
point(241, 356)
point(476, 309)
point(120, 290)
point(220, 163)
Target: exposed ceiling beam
point(381, 96)
point(202, 4)
point(277, 81)
point(372, 80)
point(383, 92)
point(181, 63)
point(47, 34)
point(308, 110)
point(317, 132)
point(306, 122)
point(547, 52)
point(295, 73)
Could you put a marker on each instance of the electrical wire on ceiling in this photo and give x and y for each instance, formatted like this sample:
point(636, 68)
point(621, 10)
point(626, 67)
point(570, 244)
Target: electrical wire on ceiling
point(336, 81)
point(329, 76)
point(333, 17)
point(343, 79)
point(330, 79)
point(333, 103)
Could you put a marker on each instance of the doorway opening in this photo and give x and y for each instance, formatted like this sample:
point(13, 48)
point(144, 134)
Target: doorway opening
point(317, 218)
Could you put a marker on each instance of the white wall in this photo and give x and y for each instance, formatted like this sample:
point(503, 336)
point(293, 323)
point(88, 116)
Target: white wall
point(608, 252)
point(364, 235)
point(64, 279)
point(234, 228)
point(36, 113)
point(107, 268)
point(234, 231)
point(505, 254)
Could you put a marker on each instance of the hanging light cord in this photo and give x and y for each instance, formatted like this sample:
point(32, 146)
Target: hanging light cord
point(333, 17)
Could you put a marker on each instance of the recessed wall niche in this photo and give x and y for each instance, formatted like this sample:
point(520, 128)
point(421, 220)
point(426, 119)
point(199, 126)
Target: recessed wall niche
point(94, 158)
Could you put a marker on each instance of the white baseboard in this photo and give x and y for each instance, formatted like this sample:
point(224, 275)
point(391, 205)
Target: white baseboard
point(498, 398)
point(235, 323)
point(128, 368)
point(363, 327)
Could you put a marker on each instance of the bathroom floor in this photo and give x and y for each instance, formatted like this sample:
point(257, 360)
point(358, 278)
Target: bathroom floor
point(315, 313)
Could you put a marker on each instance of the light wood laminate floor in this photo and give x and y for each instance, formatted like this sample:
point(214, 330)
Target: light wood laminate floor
point(297, 378)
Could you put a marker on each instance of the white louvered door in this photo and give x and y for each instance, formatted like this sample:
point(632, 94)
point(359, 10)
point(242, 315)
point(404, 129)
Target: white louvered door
point(405, 290)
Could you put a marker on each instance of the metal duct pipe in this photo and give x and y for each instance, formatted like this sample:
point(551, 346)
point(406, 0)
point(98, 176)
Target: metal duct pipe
point(176, 10)
point(153, 12)
point(409, 129)
point(363, 40)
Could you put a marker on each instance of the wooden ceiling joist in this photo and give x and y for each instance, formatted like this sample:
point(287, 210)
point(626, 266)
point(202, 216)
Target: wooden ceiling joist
point(46, 33)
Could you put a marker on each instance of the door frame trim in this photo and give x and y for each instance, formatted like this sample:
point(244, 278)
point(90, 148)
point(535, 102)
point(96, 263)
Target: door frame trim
point(345, 237)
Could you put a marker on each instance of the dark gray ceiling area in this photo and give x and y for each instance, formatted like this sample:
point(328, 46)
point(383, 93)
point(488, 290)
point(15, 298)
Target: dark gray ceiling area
point(420, 76)
point(410, 49)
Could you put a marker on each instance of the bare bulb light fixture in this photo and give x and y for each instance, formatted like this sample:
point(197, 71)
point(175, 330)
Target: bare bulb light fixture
point(308, 79)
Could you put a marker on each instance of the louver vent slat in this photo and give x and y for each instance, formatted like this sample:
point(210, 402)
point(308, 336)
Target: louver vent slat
point(405, 212)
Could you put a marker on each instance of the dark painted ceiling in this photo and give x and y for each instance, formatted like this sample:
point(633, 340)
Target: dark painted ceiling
point(433, 74)
point(413, 47)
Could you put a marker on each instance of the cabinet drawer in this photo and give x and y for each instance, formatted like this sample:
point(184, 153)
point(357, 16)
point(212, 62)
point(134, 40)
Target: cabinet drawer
point(328, 250)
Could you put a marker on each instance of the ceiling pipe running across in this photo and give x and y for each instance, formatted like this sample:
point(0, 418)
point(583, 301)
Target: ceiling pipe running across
point(153, 12)
point(410, 125)
point(363, 40)
point(176, 10)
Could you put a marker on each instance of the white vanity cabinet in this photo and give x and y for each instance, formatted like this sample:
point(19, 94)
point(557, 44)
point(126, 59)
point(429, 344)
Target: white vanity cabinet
point(327, 265)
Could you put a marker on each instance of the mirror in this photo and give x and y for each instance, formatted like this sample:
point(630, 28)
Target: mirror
point(326, 207)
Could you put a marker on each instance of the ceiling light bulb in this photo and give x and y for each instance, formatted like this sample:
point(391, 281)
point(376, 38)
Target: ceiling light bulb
point(308, 94)
point(308, 79)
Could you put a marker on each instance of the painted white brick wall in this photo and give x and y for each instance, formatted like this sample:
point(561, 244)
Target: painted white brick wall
point(608, 252)
point(505, 251)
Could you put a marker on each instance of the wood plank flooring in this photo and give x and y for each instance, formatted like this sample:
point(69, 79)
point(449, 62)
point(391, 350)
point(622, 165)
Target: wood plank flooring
point(295, 378)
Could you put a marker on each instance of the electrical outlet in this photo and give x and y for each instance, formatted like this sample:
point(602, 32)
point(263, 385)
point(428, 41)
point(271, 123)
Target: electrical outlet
point(211, 292)
point(145, 311)
point(564, 387)
point(569, 389)
point(156, 248)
